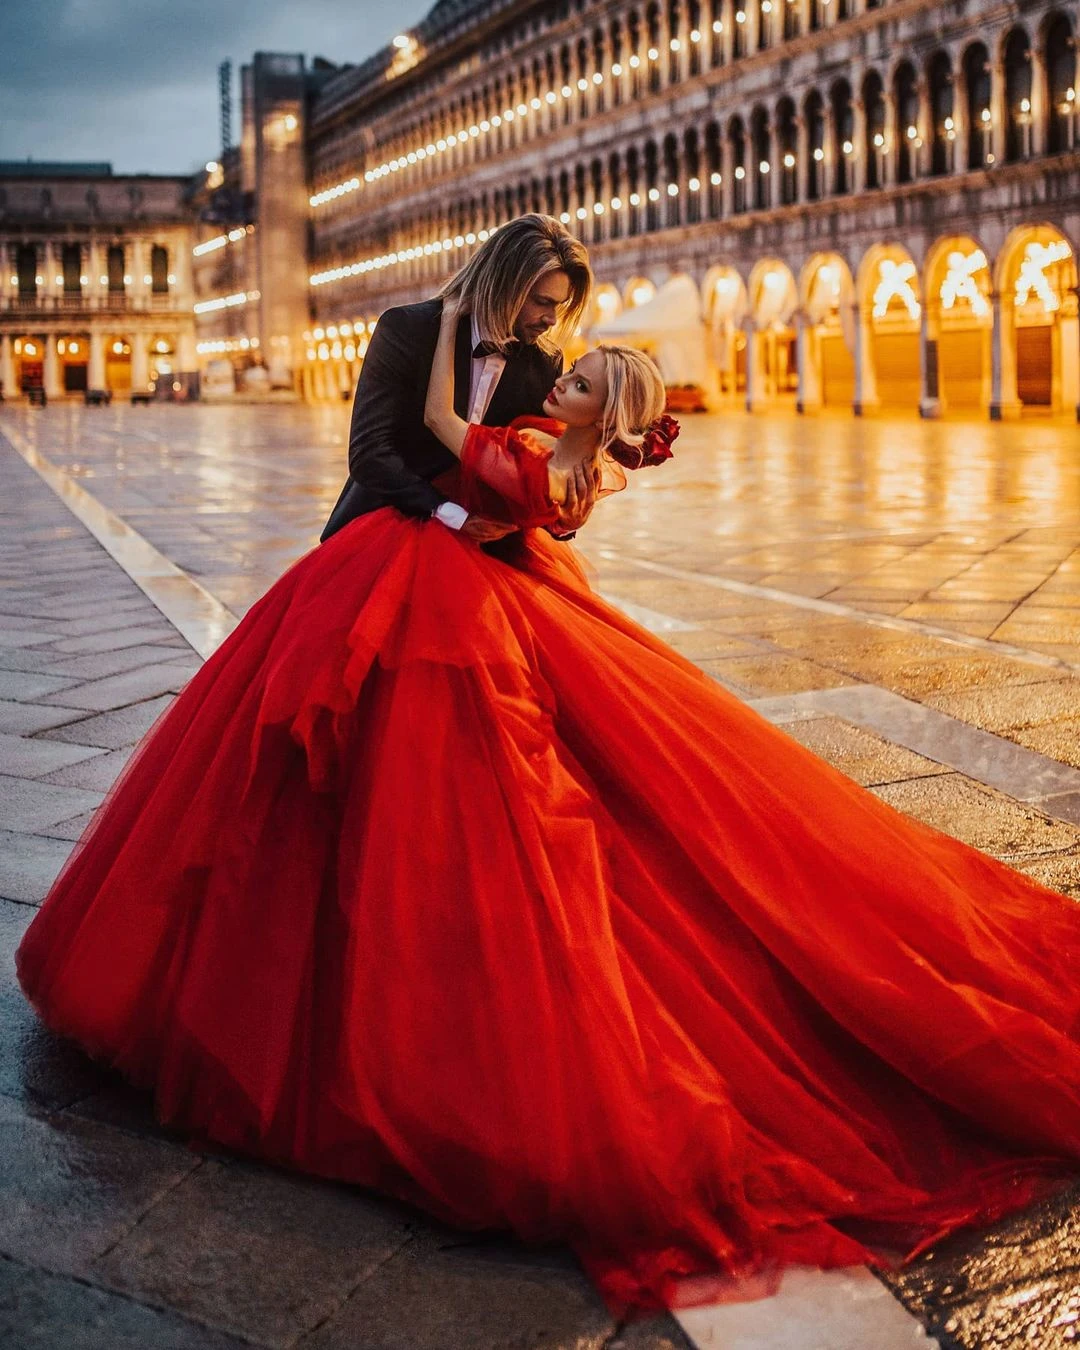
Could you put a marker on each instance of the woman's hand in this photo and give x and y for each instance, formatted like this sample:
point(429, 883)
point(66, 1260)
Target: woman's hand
point(581, 490)
point(451, 311)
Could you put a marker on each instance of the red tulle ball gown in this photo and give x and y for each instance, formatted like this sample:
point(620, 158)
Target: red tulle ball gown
point(445, 878)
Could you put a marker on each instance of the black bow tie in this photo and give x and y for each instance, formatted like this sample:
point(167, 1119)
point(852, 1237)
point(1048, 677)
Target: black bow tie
point(490, 349)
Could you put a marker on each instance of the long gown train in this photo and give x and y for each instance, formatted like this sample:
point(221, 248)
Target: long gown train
point(444, 877)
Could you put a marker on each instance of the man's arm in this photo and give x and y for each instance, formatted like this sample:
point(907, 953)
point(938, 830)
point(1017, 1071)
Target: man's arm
point(386, 389)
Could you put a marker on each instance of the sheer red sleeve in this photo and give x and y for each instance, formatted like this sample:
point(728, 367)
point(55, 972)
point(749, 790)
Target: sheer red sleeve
point(513, 465)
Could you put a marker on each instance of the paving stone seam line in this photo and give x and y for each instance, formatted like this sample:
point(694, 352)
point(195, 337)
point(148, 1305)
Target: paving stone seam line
point(167, 1310)
point(833, 607)
point(196, 614)
point(929, 732)
point(408, 1240)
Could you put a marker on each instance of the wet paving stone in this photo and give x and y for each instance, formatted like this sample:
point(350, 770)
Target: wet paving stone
point(978, 815)
point(1013, 1285)
point(71, 1189)
point(471, 1299)
point(29, 864)
point(205, 1248)
point(866, 758)
point(43, 1311)
point(112, 730)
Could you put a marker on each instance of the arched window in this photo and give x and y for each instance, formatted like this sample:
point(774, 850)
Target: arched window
point(677, 38)
point(942, 124)
point(843, 147)
point(906, 97)
point(737, 162)
point(652, 187)
point(714, 157)
point(693, 19)
point(1017, 96)
point(671, 181)
point(760, 165)
point(652, 25)
point(26, 269)
point(692, 176)
point(618, 200)
point(741, 19)
point(976, 68)
point(115, 269)
point(1059, 54)
point(633, 191)
point(787, 149)
point(873, 95)
point(596, 176)
point(814, 116)
point(792, 11)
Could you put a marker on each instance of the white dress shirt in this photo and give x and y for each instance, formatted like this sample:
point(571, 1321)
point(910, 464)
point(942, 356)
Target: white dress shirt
point(484, 374)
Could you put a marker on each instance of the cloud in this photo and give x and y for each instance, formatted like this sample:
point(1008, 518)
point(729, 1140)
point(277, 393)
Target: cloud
point(134, 82)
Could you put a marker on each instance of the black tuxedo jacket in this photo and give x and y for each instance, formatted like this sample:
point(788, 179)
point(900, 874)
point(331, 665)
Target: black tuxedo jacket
point(392, 455)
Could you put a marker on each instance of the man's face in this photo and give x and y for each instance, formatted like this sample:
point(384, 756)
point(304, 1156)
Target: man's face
point(541, 306)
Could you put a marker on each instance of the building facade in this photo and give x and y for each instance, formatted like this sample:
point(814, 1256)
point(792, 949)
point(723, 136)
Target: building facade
point(877, 201)
point(95, 280)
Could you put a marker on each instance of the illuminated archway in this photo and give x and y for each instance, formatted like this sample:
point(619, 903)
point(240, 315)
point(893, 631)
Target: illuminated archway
point(1036, 278)
point(890, 309)
point(117, 363)
point(724, 305)
point(771, 361)
point(825, 364)
point(606, 303)
point(957, 285)
point(637, 291)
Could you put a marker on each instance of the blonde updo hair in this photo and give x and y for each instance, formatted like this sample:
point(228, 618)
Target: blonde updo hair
point(635, 398)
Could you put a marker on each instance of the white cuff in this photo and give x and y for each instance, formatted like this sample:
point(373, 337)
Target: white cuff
point(451, 515)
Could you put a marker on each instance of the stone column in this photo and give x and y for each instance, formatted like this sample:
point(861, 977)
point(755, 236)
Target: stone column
point(802, 159)
point(53, 386)
point(930, 402)
point(186, 353)
point(756, 392)
point(866, 396)
point(807, 354)
point(1004, 399)
point(140, 363)
point(857, 174)
point(95, 374)
point(7, 367)
point(138, 271)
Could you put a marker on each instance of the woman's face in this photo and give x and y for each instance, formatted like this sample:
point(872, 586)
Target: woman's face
point(579, 396)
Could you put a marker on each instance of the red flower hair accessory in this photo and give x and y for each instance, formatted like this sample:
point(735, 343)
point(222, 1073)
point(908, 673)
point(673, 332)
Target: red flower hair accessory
point(654, 449)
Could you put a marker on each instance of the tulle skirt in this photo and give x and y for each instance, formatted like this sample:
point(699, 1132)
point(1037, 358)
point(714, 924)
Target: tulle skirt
point(445, 878)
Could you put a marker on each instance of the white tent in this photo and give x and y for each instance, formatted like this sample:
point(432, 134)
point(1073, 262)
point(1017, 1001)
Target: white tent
point(670, 328)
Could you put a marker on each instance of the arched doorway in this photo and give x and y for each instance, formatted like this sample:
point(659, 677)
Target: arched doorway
point(960, 321)
point(118, 365)
point(826, 368)
point(771, 370)
point(724, 305)
point(890, 309)
point(1039, 351)
point(29, 357)
point(73, 354)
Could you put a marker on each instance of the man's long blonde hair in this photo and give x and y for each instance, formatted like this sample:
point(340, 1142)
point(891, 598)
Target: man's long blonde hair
point(495, 282)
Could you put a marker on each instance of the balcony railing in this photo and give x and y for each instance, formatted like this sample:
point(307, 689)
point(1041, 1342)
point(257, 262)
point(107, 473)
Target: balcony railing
point(109, 303)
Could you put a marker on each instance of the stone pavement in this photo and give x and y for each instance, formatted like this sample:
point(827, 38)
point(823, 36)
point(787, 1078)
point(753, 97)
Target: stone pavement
point(827, 572)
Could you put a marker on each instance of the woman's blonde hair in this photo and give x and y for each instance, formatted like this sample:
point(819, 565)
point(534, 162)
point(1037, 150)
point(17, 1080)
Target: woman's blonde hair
point(496, 281)
point(635, 398)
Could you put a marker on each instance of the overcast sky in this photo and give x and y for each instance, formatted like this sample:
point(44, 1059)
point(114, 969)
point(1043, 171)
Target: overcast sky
point(135, 82)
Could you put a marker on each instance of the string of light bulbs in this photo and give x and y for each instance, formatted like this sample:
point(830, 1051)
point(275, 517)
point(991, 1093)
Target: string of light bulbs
point(486, 125)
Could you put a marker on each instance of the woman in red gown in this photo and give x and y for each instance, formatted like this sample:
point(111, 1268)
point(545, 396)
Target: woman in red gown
point(444, 877)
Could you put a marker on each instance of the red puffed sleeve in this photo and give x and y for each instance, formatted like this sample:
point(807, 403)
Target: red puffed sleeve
point(510, 463)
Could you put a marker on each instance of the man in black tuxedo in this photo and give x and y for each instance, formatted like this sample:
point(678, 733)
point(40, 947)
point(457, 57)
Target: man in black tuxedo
point(529, 277)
